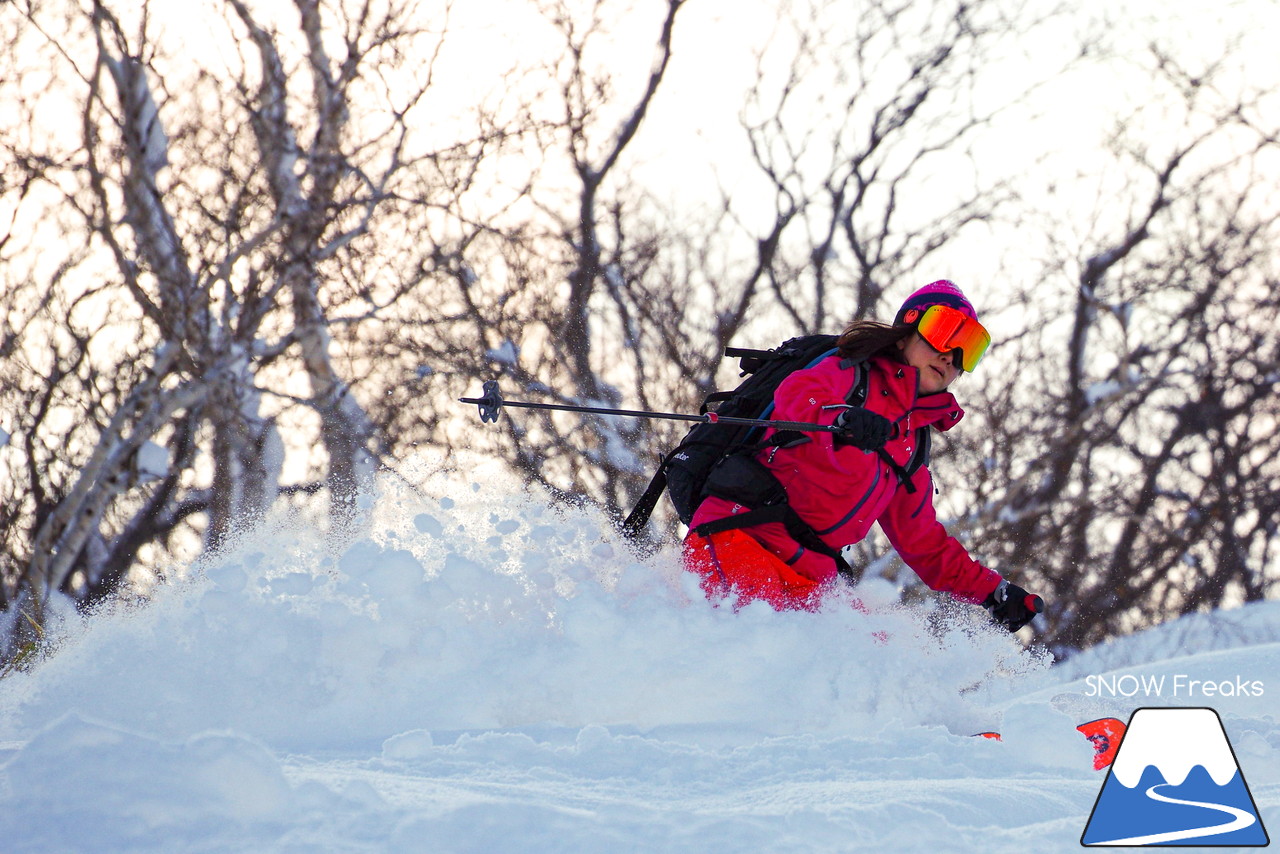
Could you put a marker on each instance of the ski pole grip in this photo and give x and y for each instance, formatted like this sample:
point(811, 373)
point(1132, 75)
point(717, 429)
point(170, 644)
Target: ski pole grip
point(1034, 603)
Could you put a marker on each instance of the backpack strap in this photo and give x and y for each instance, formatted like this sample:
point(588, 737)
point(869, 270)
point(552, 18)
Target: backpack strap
point(918, 459)
point(745, 480)
point(633, 526)
point(903, 472)
point(924, 447)
point(857, 395)
point(751, 360)
point(714, 397)
point(638, 518)
point(799, 530)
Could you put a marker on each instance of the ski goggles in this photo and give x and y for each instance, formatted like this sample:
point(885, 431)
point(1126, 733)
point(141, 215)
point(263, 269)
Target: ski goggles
point(947, 329)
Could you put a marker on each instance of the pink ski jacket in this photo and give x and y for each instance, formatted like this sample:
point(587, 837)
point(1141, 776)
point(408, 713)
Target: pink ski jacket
point(841, 490)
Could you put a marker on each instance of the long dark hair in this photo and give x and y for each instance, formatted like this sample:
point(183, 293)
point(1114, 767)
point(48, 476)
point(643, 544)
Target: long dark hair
point(863, 339)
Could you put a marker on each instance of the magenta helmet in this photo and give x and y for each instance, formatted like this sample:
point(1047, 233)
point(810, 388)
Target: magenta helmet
point(941, 292)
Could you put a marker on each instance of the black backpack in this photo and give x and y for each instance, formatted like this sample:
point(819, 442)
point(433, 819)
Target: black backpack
point(684, 472)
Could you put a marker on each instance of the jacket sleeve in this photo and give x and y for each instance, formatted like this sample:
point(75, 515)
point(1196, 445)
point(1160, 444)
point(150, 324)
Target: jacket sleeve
point(913, 529)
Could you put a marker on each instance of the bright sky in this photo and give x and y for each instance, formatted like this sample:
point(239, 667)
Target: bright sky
point(692, 140)
point(694, 124)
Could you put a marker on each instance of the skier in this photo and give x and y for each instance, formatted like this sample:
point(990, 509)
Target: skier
point(885, 383)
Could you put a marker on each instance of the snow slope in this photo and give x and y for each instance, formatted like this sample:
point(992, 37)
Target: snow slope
point(475, 672)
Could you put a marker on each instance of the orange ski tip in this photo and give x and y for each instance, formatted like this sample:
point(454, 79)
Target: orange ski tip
point(1106, 735)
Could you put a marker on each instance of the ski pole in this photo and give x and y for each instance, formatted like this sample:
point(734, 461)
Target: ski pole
point(491, 404)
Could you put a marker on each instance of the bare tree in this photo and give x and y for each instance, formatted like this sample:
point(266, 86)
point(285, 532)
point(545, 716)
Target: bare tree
point(175, 265)
point(866, 140)
point(1140, 482)
point(594, 293)
point(545, 296)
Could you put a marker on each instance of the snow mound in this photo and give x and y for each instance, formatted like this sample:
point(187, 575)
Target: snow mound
point(484, 611)
point(471, 667)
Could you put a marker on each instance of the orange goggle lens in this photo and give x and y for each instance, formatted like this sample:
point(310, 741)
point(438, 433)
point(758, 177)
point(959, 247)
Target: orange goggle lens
point(947, 329)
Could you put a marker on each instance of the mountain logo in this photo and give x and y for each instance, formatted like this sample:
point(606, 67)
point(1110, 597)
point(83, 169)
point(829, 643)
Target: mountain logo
point(1175, 781)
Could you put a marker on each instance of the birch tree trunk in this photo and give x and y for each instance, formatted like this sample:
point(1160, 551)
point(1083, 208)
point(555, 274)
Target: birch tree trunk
point(207, 231)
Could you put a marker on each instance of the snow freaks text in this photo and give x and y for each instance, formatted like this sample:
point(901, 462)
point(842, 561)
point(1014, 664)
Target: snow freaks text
point(1178, 685)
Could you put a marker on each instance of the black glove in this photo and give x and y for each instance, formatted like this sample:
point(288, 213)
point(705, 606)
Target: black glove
point(1011, 606)
point(863, 429)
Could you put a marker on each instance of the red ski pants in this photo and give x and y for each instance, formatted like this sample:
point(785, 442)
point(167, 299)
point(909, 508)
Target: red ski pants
point(733, 563)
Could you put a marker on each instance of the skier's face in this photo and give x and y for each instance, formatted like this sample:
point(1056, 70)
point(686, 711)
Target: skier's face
point(937, 370)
